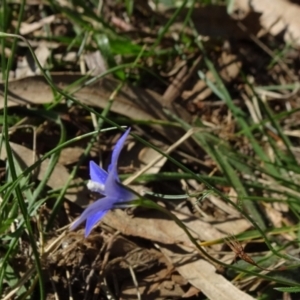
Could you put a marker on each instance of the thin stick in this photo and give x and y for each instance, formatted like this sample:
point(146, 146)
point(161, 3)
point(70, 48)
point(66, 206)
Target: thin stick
point(189, 133)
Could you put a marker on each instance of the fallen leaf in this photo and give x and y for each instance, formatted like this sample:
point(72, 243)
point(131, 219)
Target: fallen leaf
point(233, 226)
point(70, 155)
point(202, 275)
point(131, 101)
point(58, 177)
point(163, 229)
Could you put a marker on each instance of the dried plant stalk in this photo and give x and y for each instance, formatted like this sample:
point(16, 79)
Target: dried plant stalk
point(239, 251)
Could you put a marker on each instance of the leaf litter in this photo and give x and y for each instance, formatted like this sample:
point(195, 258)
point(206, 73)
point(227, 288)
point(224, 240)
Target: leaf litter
point(141, 253)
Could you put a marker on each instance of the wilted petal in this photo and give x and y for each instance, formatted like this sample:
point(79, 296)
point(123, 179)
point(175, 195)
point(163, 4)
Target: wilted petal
point(97, 174)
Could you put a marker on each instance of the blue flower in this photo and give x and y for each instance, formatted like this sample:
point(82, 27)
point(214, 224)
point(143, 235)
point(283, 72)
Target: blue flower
point(108, 184)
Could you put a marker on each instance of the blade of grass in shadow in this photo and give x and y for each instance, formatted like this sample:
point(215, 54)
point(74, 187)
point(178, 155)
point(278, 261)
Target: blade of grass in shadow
point(71, 88)
point(165, 29)
point(271, 117)
point(4, 19)
point(233, 178)
point(187, 18)
point(129, 4)
point(18, 192)
point(13, 172)
point(220, 90)
point(292, 289)
point(289, 158)
point(103, 44)
point(55, 156)
point(13, 214)
point(13, 47)
point(214, 148)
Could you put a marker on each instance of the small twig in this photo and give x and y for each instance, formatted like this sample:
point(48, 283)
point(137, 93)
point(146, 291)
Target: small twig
point(68, 275)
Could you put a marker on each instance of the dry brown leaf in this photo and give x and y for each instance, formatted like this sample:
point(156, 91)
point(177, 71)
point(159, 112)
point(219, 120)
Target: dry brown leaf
point(132, 102)
point(70, 155)
point(280, 17)
point(233, 226)
point(155, 226)
point(58, 177)
point(35, 90)
point(202, 275)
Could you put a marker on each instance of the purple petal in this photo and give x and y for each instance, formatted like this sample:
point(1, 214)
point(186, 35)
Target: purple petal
point(118, 192)
point(101, 205)
point(108, 184)
point(118, 147)
point(97, 174)
point(93, 220)
point(116, 152)
point(111, 184)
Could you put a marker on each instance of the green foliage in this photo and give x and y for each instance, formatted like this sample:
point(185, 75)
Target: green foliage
point(256, 179)
point(292, 289)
